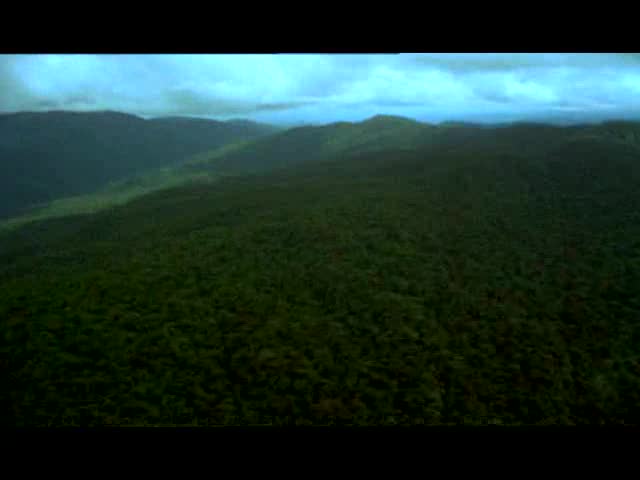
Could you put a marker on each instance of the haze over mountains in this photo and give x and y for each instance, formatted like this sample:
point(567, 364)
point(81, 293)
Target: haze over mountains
point(48, 155)
point(53, 155)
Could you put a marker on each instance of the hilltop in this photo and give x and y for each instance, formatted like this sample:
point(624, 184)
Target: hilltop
point(313, 143)
point(50, 155)
point(300, 146)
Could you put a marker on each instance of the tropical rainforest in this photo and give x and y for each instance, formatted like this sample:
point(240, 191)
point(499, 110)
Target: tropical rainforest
point(386, 272)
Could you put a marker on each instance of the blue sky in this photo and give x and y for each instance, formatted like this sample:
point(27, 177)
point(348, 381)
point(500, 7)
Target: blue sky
point(291, 89)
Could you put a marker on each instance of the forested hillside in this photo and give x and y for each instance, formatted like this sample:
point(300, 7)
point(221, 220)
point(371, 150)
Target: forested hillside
point(451, 274)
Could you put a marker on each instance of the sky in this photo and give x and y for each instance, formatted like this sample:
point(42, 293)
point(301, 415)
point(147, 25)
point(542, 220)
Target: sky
point(316, 89)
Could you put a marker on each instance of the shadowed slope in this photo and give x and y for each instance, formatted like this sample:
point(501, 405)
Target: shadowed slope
point(46, 156)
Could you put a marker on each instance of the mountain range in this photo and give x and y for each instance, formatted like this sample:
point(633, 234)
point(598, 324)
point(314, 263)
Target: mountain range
point(385, 272)
point(45, 156)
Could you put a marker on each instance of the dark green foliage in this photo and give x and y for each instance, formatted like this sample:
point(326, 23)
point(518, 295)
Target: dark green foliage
point(488, 281)
point(304, 145)
point(44, 156)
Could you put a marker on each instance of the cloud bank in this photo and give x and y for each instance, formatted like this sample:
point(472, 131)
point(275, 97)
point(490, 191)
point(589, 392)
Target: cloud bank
point(326, 88)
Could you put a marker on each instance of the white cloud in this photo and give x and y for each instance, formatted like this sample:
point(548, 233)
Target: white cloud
point(323, 87)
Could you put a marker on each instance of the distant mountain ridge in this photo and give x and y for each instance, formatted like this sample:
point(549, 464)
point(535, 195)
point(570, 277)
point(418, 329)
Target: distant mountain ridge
point(306, 144)
point(48, 155)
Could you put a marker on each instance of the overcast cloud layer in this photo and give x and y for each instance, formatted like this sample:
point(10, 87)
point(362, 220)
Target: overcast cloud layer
point(326, 88)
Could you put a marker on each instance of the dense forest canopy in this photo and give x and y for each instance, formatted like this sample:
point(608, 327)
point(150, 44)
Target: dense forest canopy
point(382, 272)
